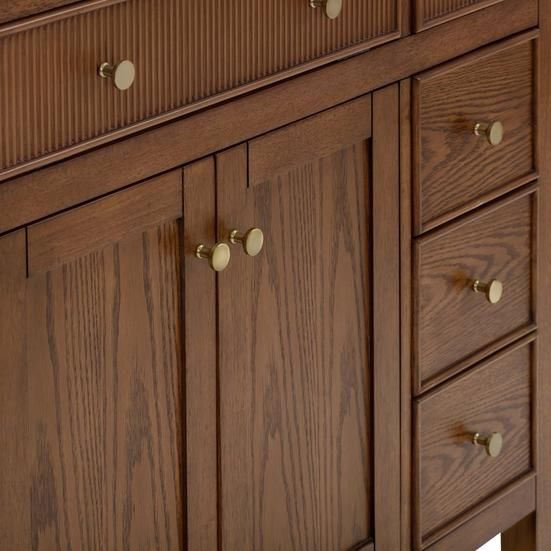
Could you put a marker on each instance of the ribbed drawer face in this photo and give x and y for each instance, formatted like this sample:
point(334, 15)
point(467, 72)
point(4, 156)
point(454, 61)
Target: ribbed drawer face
point(454, 326)
point(183, 51)
point(453, 475)
point(434, 12)
point(455, 169)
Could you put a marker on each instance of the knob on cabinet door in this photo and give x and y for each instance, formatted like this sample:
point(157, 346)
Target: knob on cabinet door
point(493, 290)
point(122, 73)
point(492, 131)
point(218, 255)
point(332, 8)
point(252, 240)
point(493, 443)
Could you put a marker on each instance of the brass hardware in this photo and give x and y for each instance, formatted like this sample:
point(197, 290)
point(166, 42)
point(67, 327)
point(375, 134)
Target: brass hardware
point(217, 255)
point(122, 73)
point(493, 290)
point(492, 131)
point(252, 241)
point(493, 443)
point(332, 8)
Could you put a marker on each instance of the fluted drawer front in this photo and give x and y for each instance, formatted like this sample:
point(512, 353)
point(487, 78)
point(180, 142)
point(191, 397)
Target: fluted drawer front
point(183, 51)
point(434, 12)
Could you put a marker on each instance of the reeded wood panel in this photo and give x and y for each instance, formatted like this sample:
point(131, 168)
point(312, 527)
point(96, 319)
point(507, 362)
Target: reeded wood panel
point(452, 474)
point(184, 51)
point(433, 12)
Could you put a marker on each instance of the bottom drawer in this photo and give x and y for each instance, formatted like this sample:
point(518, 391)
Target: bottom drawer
point(453, 474)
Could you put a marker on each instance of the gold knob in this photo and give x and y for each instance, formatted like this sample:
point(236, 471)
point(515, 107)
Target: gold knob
point(492, 131)
point(252, 241)
point(122, 73)
point(493, 443)
point(493, 290)
point(217, 255)
point(332, 8)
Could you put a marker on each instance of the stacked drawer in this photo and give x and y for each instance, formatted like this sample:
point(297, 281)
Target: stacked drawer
point(474, 282)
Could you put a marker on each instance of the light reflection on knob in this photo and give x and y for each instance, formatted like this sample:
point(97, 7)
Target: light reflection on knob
point(332, 8)
point(492, 290)
point(217, 255)
point(492, 443)
point(492, 131)
point(122, 73)
point(252, 240)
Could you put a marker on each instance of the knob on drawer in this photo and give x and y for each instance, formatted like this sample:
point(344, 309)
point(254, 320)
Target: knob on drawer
point(492, 131)
point(493, 443)
point(493, 290)
point(218, 255)
point(252, 240)
point(332, 8)
point(122, 73)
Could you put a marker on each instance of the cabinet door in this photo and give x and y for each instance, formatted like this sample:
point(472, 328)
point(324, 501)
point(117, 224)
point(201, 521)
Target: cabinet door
point(91, 393)
point(293, 409)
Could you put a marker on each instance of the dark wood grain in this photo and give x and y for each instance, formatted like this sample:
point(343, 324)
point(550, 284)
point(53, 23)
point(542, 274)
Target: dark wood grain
point(429, 13)
point(200, 359)
point(296, 456)
point(454, 326)
point(452, 474)
point(15, 518)
point(520, 537)
point(105, 400)
point(456, 170)
point(504, 509)
point(82, 230)
point(10, 10)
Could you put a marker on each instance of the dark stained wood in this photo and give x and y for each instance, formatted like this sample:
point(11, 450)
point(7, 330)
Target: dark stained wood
point(504, 510)
point(386, 318)
point(310, 139)
point(200, 359)
point(454, 170)
point(105, 396)
point(10, 10)
point(454, 326)
point(296, 459)
point(521, 537)
point(453, 475)
point(429, 13)
point(77, 232)
point(15, 515)
point(99, 172)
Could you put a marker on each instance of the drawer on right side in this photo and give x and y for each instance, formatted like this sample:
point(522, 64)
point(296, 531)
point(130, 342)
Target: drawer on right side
point(473, 130)
point(474, 283)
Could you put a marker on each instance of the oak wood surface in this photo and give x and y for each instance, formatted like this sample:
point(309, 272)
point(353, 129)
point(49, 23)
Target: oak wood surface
point(296, 447)
point(452, 474)
point(454, 326)
point(454, 169)
point(429, 13)
point(99, 172)
point(521, 536)
point(105, 396)
point(11, 10)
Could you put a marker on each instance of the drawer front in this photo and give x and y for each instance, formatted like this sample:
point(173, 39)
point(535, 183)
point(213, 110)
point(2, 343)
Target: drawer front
point(453, 475)
point(183, 52)
point(454, 169)
point(429, 13)
point(454, 325)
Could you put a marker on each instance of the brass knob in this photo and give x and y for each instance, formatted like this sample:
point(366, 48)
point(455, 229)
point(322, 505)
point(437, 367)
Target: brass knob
point(332, 8)
point(493, 290)
point(122, 73)
point(493, 443)
point(217, 255)
point(492, 131)
point(252, 241)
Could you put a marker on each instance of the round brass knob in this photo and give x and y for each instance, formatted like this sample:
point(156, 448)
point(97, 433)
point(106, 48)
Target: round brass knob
point(492, 131)
point(493, 443)
point(493, 290)
point(122, 73)
point(332, 8)
point(252, 241)
point(217, 255)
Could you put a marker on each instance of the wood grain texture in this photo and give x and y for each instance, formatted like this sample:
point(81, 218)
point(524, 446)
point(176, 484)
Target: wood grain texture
point(183, 52)
point(453, 325)
point(99, 172)
point(433, 12)
point(105, 398)
point(79, 231)
point(520, 537)
point(452, 474)
point(10, 10)
point(15, 517)
point(201, 359)
point(454, 169)
point(507, 507)
point(296, 460)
